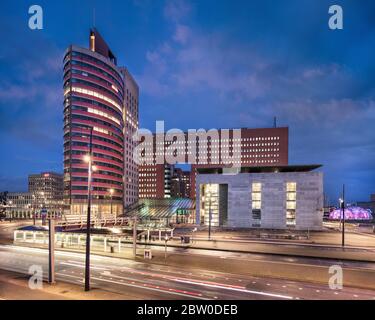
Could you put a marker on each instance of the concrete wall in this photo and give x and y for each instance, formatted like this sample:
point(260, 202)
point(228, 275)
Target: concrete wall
point(309, 210)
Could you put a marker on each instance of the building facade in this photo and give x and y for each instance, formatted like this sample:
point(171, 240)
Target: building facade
point(180, 184)
point(101, 98)
point(131, 121)
point(155, 181)
point(47, 190)
point(258, 147)
point(20, 205)
point(278, 197)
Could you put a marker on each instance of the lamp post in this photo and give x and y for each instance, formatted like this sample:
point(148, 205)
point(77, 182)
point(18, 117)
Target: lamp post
point(209, 215)
point(192, 234)
point(51, 251)
point(111, 192)
point(135, 237)
point(88, 159)
point(44, 211)
point(11, 212)
point(343, 216)
point(34, 210)
point(165, 251)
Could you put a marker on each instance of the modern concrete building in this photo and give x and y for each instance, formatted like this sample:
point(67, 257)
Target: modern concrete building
point(273, 197)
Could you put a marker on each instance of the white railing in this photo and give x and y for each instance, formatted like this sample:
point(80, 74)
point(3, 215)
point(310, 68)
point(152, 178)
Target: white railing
point(112, 243)
point(70, 222)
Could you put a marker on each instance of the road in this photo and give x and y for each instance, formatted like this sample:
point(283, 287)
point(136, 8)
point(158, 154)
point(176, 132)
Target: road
point(152, 281)
point(7, 228)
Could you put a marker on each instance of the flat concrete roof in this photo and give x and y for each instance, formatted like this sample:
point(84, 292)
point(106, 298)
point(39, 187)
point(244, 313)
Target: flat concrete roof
point(264, 169)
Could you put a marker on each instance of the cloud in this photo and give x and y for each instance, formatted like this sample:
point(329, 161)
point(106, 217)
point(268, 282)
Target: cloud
point(176, 10)
point(181, 34)
point(328, 105)
point(31, 92)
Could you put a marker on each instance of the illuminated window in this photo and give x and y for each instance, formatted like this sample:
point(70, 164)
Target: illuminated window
point(291, 197)
point(256, 203)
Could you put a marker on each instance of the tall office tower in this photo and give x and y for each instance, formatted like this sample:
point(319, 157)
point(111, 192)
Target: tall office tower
point(131, 103)
point(95, 93)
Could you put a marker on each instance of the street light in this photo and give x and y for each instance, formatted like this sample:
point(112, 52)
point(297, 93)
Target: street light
point(343, 216)
point(34, 210)
point(11, 212)
point(111, 192)
point(165, 252)
point(209, 214)
point(88, 159)
point(43, 206)
point(192, 234)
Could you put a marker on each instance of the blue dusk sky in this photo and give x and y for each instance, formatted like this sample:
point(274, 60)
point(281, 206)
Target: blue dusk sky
point(202, 64)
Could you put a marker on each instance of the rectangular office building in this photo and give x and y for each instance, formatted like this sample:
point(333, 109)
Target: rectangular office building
point(273, 197)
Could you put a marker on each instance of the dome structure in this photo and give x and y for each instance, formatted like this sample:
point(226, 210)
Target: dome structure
point(351, 213)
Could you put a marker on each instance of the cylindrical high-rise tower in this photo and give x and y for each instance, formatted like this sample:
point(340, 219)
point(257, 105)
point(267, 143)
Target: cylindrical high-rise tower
point(93, 98)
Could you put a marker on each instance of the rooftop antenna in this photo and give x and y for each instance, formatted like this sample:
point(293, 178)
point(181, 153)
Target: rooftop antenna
point(274, 122)
point(93, 17)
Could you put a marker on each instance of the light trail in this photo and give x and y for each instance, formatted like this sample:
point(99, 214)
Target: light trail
point(235, 288)
point(79, 265)
point(148, 287)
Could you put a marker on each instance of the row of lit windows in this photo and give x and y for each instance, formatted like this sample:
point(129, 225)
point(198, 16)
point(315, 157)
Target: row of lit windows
point(221, 140)
point(96, 120)
point(147, 175)
point(103, 114)
point(75, 99)
point(94, 94)
point(88, 82)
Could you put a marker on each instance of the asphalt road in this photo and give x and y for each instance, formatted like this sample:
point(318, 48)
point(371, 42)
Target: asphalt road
point(151, 281)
